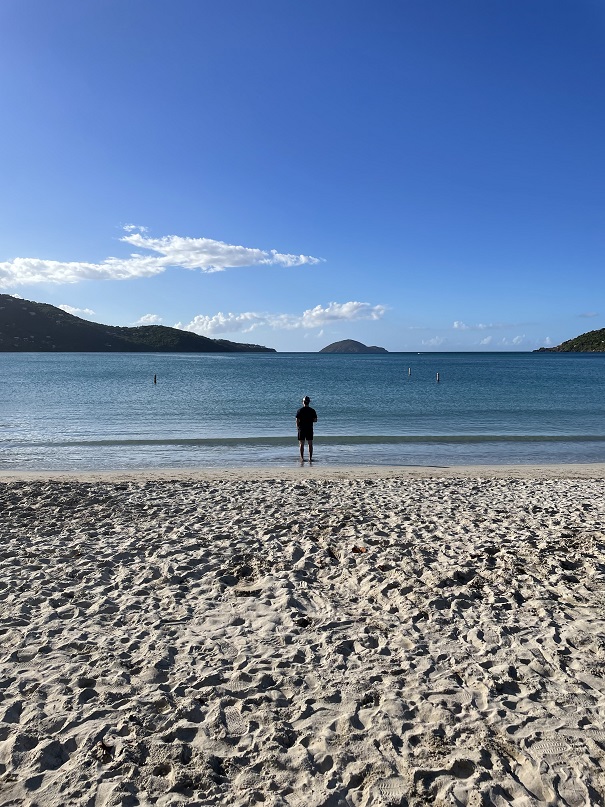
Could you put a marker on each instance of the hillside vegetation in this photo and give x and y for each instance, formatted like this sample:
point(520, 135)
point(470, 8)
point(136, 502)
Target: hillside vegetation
point(351, 346)
point(591, 342)
point(26, 326)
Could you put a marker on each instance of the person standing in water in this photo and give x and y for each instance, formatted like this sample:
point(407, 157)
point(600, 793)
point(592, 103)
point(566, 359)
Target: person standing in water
point(305, 418)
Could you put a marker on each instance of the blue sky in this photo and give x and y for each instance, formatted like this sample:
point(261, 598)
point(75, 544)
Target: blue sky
point(416, 174)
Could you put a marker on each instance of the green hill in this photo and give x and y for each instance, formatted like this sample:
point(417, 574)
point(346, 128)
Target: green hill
point(351, 346)
point(26, 326)
point(591, 342)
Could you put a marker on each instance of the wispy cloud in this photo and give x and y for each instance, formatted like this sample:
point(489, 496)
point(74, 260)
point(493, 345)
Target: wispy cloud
point(589, 314)
point(480, 326)
point(78, 312)
point(203, 254)
point(436, 341)
point(149, 319)
point(516, 340)
point(311, 318)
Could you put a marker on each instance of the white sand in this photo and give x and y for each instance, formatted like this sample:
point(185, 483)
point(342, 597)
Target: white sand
point(303, 637)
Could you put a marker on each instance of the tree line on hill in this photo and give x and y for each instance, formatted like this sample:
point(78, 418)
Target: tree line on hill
point(591, 342)
point(26, 326)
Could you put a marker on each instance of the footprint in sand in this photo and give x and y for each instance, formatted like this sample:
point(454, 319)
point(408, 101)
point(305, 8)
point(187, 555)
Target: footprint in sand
point(390, 790)
point(234, 722)
point(550, 748)
point(574, 794)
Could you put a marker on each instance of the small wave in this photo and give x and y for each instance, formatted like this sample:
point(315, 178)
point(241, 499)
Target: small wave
point(326, 440)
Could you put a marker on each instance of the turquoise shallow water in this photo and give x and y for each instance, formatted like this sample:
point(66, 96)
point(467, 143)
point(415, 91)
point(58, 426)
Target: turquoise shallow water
point(86, 411)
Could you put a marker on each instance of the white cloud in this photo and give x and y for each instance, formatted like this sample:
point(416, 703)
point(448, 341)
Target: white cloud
point(436, 341)
point(224, 323)
point(547, 341)
point(211, 256)
point(29, 271)
point(149, 319)
point(517, 340)
point(589, 314)
point(315, 317)
point(481, 326)
point(486, 341)
point(203, 254)
point(78, 312)
point(311, 318)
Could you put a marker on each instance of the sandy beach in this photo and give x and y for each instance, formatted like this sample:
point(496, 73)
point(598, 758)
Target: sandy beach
point(303, 637)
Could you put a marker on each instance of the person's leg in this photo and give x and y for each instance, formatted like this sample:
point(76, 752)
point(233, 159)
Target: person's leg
point(310, 444)
point(301, 444)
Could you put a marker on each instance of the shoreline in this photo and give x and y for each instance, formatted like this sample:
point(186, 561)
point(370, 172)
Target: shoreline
point(314, 471)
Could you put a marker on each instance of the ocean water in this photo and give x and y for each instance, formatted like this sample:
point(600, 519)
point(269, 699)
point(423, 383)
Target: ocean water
point(73, 411)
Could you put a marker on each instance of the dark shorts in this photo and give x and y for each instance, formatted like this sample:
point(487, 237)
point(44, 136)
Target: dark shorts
point(305, 434)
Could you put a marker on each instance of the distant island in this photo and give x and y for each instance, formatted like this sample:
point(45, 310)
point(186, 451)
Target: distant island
point(351, 346)
point(26, 326)
point(591, 342)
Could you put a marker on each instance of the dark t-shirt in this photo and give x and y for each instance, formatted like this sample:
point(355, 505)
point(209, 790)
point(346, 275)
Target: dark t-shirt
point(305, 417)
